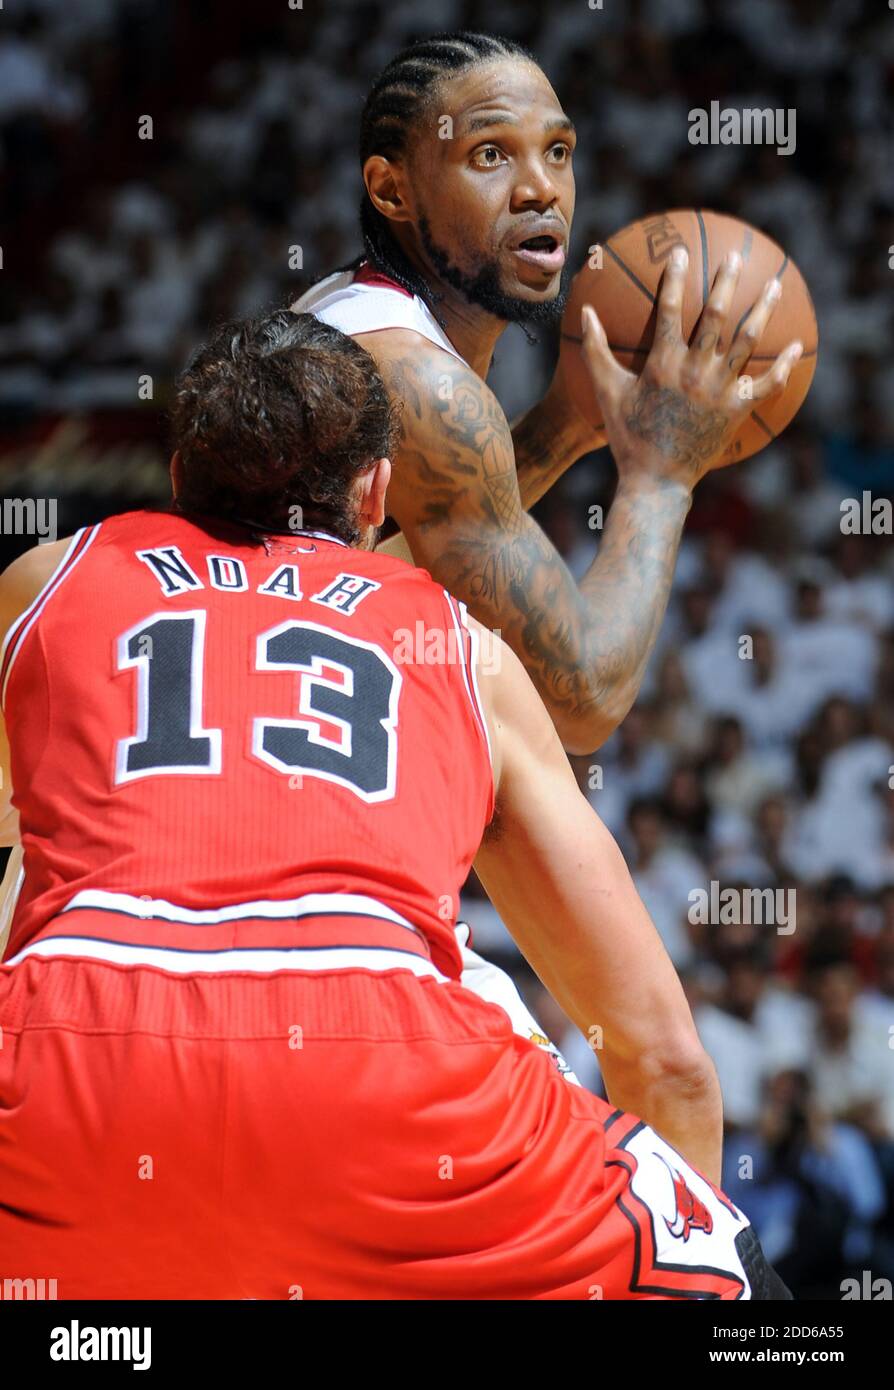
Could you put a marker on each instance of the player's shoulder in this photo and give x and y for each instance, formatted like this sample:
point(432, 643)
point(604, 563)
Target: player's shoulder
point(25, 577)
point(37, 568)
point(432, 384)
point(34, 564)
point(419, 355)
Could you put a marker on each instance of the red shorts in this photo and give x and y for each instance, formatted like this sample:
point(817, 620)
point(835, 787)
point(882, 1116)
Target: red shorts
point(350, 1134)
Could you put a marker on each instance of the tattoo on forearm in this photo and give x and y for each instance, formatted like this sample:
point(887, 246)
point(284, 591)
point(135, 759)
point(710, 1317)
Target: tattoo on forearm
point(539, 456)
point(584, 647)
point(522, 585)
point(676, 426)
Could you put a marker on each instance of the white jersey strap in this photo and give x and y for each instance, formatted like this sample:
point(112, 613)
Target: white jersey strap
point(355, 306)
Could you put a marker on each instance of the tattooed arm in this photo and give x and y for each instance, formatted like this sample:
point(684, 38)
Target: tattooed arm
point(455, 494)
point(547, 440)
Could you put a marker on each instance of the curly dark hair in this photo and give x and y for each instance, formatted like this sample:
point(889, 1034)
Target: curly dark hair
point(276, 413)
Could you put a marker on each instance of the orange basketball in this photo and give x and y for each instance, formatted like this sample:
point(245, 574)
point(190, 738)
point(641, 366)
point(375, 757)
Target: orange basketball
point(623, 294)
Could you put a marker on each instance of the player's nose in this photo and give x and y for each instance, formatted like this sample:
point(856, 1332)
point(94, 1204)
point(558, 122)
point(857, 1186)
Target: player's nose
point(535, 186)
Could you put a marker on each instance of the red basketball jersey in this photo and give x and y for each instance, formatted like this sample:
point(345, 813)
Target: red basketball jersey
point(208, 726)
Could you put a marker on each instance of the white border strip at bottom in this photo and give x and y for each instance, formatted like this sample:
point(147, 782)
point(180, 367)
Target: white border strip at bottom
point(261, 960)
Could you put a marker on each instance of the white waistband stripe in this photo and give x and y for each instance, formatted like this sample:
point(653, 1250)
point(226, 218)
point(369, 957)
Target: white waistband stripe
point(263, 960)
point(309, 905)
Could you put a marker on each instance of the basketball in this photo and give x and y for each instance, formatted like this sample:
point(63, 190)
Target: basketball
point(624, 289)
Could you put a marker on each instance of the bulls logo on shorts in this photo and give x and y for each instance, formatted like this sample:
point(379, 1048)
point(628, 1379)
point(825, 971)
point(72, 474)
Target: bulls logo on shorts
point(686, 1234)
point(691, 1214)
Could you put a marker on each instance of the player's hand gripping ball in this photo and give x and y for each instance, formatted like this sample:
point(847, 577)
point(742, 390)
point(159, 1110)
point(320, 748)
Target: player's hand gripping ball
point(734, 330)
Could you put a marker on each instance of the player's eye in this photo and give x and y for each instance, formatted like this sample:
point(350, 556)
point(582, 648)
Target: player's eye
point(560, 153)
point(487, 157)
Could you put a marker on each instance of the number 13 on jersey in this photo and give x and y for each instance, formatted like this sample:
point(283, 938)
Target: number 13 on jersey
point(345, 725)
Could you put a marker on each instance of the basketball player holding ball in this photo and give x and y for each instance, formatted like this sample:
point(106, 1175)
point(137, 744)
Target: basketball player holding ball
point(468, 233)
point(489, 249)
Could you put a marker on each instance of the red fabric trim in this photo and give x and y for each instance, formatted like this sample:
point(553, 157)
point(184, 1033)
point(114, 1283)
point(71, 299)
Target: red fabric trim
point(366, 275)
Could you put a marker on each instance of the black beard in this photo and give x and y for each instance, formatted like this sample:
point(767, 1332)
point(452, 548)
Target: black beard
point(484, 289)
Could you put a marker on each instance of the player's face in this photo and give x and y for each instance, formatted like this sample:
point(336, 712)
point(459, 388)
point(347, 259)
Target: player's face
point(495, 199)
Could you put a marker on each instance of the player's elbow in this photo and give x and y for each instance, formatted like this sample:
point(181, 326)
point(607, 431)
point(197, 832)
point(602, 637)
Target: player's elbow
point(593, 719)
point(671, 1084)
point(684, 1069)
point(603, 692)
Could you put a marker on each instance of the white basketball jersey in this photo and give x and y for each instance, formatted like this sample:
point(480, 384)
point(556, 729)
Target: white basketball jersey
point(365, 301)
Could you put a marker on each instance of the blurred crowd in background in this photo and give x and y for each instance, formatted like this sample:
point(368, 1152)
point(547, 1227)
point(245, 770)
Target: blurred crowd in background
point(765, 763)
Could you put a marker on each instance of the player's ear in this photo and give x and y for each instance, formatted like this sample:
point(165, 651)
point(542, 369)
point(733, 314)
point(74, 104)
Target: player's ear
point(373, 487)
point(176, 471)
point(385, 186)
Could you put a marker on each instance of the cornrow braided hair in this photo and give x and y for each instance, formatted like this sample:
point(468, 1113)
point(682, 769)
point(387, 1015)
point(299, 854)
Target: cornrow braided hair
point(395, 102)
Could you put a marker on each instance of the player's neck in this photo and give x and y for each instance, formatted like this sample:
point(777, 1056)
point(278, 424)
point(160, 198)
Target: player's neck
point(472, 330)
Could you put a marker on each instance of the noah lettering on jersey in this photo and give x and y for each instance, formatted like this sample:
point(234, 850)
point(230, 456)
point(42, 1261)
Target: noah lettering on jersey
point(228, 574)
